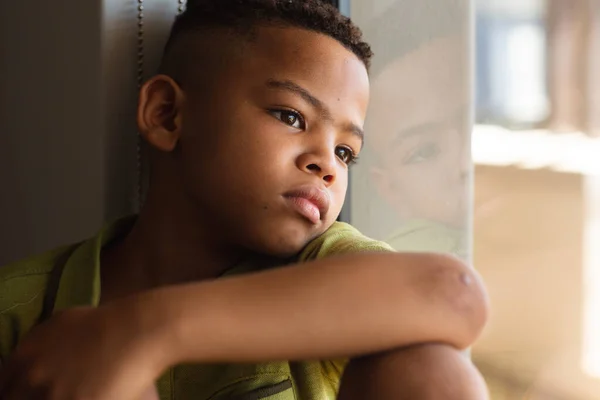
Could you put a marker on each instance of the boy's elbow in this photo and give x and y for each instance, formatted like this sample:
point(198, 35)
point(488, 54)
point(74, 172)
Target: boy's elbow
point(463, 290)
point(458, 302)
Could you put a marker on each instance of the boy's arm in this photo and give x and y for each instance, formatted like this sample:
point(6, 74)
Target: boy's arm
point(340, 306)
point(335, 307)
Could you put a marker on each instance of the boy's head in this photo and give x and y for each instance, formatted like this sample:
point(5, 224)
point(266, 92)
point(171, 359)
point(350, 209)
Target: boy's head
point(241, 18)
point(256, 117)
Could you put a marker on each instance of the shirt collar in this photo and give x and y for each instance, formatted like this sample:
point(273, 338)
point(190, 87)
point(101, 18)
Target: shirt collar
point(80, 281)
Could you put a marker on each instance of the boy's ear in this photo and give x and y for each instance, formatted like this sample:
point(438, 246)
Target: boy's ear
point(159, 112)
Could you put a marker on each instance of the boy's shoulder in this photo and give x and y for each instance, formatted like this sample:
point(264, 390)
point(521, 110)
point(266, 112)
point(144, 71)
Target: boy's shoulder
point(24, 281)
point(33, 266)
point(23, 287)
point(341, 238)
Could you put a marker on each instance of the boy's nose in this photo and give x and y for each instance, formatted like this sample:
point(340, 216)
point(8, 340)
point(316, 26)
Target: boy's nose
point(321, 165)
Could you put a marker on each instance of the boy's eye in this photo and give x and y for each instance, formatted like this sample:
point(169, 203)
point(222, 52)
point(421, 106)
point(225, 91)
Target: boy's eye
point(288, 117)
point(346, 155)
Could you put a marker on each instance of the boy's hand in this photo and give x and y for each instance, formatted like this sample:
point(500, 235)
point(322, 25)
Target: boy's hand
point(85, 353)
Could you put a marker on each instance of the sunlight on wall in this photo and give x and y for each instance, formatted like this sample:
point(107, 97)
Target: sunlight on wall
point(535, 149)
point(591, 279)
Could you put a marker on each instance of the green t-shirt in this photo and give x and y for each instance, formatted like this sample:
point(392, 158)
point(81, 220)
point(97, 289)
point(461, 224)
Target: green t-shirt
point(431, 237)
point(26, 292)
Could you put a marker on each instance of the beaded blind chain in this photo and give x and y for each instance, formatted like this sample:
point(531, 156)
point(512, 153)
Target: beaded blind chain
point(140, 81)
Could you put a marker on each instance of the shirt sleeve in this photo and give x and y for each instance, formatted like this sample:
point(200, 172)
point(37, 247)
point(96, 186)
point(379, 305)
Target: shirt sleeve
point(341, 239)
point(22, 289)
point(5, 339)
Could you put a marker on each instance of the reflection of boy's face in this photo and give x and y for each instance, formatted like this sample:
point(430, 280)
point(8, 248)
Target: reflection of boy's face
point(418, 129)
point(285, 117)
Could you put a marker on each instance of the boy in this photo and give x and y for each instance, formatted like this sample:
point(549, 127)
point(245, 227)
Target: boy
point(253, 122)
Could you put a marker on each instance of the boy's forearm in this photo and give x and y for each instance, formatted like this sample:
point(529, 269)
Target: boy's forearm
point(336, 307)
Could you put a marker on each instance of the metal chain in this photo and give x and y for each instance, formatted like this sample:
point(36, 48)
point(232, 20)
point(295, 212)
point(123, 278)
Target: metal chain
point(140, 82)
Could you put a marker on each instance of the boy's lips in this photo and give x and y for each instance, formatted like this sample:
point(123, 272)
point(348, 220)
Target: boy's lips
point(309, 201)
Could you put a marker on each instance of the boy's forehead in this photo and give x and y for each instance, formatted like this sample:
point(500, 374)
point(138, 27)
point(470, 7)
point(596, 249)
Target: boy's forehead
point(273, 45)
point(312, 60)
point(297, 42)
point(305, 54)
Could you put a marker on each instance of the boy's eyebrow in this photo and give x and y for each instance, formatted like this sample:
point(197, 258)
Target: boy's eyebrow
point(357, 131)
point(315, 102)
point(305, 94)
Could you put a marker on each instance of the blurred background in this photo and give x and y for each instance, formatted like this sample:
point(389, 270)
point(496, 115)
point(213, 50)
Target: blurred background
point(537, 195)
point(482, 142)
point(514, 86)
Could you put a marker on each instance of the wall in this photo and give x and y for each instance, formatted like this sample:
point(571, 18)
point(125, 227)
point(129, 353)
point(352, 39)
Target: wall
point(52, 137)
point(120, 50)
point(67, 101)
point(529, 247)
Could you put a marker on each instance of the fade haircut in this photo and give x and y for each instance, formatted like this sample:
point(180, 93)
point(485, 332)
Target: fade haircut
point(241, 17)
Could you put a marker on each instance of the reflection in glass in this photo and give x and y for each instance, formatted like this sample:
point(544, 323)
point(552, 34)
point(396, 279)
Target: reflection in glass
point(416, 162)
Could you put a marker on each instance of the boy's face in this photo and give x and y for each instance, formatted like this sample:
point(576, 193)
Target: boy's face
point(267, 139)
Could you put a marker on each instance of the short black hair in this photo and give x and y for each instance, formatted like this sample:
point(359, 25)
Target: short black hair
point(241, 16)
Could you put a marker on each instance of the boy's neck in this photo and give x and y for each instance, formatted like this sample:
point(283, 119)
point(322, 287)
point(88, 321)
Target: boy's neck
point(166, 246)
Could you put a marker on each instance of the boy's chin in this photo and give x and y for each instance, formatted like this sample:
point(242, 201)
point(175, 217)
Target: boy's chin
point(285, 239)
